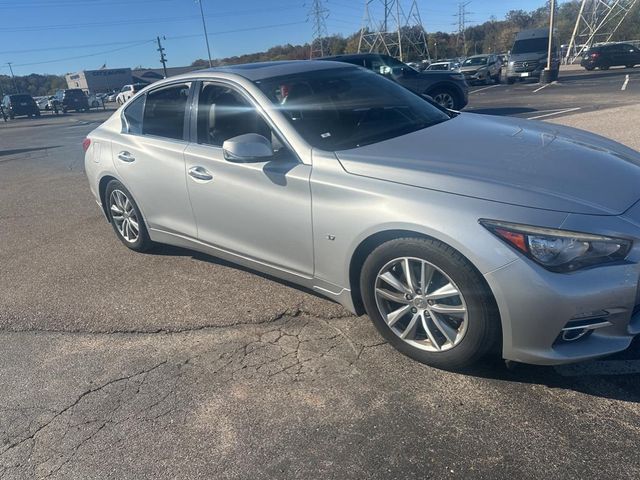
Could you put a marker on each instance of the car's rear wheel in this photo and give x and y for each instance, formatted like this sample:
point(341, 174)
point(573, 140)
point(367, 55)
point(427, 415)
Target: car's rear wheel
point(429, 302)
point(445, 98)
point(125, 217)
point(511, 80)
point(604, 67)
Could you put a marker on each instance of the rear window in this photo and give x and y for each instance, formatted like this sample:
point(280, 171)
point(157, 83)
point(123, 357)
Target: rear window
point(531, 45)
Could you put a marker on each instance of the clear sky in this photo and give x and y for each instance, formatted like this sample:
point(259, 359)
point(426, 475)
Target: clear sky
point(59, 36)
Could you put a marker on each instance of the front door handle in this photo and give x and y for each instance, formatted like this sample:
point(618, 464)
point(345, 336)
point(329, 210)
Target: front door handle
point(126, 156)
point(200, 173)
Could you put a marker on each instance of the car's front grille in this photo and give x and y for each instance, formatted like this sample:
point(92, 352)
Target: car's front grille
point(526, 66)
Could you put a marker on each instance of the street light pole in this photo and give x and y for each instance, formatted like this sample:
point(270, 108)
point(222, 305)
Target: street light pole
point(206, 37)
point(13, 78)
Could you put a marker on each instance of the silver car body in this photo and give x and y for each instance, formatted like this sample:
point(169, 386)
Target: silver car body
point(310, 220)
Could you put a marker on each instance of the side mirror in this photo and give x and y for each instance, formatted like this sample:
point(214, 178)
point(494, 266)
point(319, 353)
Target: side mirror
point(246, 148)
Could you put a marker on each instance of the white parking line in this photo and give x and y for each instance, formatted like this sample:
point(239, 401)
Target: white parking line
point(558, 112)
point(626, 82)
point(603, 367)
point(483, 88)
point(543, 86)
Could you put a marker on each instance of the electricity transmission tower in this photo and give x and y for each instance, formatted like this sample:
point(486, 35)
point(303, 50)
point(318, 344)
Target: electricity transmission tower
point(389, 28)
point(597, 21)
point(318, 14)
point(461, 38)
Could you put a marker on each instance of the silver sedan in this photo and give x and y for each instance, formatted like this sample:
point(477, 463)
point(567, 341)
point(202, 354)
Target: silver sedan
point(458, 234)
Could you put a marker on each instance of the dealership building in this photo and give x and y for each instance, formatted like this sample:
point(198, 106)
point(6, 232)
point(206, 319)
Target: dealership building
point(103, 80)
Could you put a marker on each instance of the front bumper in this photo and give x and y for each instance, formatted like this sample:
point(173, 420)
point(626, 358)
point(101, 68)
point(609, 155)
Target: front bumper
point(472, 77)
point(536, 305)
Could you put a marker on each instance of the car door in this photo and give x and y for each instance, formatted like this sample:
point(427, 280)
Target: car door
point(260, 210)
point(149, 157)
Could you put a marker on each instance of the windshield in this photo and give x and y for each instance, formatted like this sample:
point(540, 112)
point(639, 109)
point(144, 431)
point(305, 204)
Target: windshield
point(438, 66)
point(475, 61)
point(343, 108)
point(74, 93)
point(530, 45)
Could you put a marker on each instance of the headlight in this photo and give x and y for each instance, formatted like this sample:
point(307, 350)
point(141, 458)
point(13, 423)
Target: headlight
point(560, 250)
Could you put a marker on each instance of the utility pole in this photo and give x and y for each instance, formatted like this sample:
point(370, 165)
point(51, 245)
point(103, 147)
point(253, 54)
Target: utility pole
point(206, 36)
point(13, 78)
point(319, 14)
point(163, 59)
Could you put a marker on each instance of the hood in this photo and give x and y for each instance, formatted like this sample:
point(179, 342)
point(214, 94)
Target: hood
point(514, 161)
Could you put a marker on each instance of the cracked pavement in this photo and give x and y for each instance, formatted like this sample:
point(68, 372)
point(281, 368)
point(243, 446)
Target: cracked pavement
point(174, 364)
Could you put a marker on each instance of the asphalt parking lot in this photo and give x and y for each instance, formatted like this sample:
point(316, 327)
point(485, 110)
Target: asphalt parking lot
point(174, 364)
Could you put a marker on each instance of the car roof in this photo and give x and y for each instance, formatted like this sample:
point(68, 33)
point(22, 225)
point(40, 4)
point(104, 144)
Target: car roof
point(262, 70)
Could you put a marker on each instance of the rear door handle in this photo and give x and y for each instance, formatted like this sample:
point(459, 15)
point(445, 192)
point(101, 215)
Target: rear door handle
point(200, 173)
point(126, 156)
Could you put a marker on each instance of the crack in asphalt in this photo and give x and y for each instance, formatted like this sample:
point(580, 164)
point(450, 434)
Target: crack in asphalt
point(32, 436)
point(288, 313)
point(297, 345)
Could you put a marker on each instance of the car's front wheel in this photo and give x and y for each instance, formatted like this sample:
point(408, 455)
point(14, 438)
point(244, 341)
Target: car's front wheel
point(125, 217)
point(429, 302)
point(445, 98)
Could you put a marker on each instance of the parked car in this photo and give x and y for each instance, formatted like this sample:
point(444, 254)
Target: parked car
point(529, 56)
point(449, 248)
point(482, 69)
point(41, 102)
point(128, 91)
point(611, 55)
point(111, 97)
point(95, 100)
point(446, 66)
point(446, 88)
point(19, 105)
point(72, 99)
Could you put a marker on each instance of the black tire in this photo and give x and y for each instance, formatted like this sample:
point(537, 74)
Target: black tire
point(483, 329)
point(588, 69)
point(604, 67)
point(143, 242)
point(511, 80)
point(629, 66)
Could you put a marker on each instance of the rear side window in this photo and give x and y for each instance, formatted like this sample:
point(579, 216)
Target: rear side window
point(133, 116)
point(164, 112)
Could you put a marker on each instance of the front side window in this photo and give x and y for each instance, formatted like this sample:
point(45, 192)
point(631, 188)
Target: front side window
point(165, 110)
point(342, 108)
point(224, 113)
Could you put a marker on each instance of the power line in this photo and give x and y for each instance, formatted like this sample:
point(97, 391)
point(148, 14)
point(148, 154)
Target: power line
point(140, 21)
point(81, 56)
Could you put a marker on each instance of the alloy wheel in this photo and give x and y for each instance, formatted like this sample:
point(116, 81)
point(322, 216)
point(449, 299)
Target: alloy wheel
point(124, 216)
point(444, 99)
point(421, 304)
